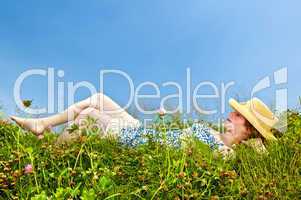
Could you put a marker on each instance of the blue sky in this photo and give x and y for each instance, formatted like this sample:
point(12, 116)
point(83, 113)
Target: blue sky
point(220, 41)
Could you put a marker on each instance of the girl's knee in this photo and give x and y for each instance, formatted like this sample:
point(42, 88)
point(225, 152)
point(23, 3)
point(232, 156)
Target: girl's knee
point(96, 100)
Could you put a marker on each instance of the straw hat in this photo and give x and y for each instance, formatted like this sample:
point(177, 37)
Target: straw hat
point(258, 114)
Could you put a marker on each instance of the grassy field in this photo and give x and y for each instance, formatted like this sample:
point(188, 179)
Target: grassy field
point(94, 168)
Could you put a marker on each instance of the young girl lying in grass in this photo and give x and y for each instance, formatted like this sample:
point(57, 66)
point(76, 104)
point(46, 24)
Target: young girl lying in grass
point(247, 119)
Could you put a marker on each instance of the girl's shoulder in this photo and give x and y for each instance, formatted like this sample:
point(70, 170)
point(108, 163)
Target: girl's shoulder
point(204, 131)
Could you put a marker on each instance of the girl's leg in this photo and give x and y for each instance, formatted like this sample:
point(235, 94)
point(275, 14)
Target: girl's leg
point(100, 121)
point(98, 101)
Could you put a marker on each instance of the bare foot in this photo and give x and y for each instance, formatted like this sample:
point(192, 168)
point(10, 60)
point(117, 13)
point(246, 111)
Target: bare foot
point(34, 125)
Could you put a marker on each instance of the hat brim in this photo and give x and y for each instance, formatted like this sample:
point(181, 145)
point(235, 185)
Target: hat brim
point(244, 111)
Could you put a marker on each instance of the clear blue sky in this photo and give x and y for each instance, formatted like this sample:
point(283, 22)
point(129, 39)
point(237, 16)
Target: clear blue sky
point(153, 40)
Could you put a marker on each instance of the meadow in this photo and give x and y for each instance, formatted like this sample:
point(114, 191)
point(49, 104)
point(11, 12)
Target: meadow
point(100, 168)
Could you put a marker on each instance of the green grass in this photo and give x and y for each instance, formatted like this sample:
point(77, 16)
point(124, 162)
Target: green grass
point(94, 168)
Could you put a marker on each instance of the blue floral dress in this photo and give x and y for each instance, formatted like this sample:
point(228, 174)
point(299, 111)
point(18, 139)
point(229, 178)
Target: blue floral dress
point(133, 136)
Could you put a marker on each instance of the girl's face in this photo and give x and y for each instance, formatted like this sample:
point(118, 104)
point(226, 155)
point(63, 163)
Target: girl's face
point(236, 126)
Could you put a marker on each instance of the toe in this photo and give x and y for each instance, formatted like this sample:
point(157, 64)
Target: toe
point(13, 118)
point(16, 119)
